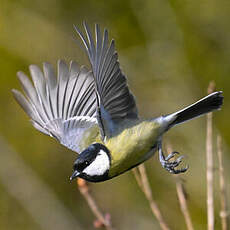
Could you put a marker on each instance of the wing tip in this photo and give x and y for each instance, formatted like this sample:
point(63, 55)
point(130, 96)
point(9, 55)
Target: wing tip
point(46, 64)
point(60, 62)
point(15, 92)
point(20, 75)
point(33, 66)
point(35, 71)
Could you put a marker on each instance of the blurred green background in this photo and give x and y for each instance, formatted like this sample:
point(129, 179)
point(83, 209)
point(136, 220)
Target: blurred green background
point(169, 49)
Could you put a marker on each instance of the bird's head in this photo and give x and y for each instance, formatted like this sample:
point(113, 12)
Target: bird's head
point(93, 163)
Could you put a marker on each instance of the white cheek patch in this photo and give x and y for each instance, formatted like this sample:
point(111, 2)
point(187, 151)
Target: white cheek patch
point(99, 166)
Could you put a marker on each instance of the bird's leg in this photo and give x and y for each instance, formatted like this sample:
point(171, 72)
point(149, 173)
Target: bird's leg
point(170, 165)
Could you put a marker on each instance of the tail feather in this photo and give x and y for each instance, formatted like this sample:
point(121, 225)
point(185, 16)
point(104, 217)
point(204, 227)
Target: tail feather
point(207, 104)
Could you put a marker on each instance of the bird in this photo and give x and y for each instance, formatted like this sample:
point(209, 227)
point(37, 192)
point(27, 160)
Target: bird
point(92, 112)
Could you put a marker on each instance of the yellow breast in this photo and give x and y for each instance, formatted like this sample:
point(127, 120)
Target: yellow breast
point(130, 147)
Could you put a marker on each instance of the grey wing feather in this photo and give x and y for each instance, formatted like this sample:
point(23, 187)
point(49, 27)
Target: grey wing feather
point(61, 106)
point(115, 101)
point(73, 135)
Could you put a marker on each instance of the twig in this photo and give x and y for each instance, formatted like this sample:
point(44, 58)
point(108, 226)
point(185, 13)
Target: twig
point(104, 220)
point(183, 203)
point(181, 193)
point(223, 199)
point(209, 167)
point(138, 178)
point(143, 183)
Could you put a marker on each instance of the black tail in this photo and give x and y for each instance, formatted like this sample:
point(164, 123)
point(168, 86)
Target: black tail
point(207, 104)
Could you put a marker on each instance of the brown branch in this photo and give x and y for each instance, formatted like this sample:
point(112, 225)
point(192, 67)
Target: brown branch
point(102, 220)
point(209, 167)
point(138, 178)
point(181, 193)
point(223, 199)
point(183, 203)
point(143, 183)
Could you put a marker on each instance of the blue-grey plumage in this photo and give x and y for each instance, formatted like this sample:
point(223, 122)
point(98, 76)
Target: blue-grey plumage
point(94, 113)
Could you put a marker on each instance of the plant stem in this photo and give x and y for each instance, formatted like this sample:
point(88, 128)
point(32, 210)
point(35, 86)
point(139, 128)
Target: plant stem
point(84, 190)
point(183, 203)
point(143, 183)
point(138, 178)
point(223, 198)
point(181, 193)
point(209, 167)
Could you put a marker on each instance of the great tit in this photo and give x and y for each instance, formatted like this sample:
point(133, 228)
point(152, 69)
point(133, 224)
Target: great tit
point(93, 112)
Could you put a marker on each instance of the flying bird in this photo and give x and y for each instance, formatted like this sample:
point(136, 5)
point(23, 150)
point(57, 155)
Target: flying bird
point(93, 112)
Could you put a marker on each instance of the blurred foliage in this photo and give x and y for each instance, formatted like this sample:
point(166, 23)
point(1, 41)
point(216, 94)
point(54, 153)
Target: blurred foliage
point(169, 50)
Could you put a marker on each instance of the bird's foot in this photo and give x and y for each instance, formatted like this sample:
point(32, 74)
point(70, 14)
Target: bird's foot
point(171, 165)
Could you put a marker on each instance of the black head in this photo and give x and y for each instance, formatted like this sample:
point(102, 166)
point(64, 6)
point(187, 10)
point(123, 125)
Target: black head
point(92, 164)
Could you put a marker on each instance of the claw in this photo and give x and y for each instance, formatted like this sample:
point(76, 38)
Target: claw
point(171, 155)
point(179, 159)
point(182, 170)
point(171, 165)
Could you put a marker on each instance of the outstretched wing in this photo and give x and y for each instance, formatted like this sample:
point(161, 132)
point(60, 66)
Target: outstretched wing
point(63, 107)
point(115, 101)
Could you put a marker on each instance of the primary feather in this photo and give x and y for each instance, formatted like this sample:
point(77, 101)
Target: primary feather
point(115, 101)
point(63, 107)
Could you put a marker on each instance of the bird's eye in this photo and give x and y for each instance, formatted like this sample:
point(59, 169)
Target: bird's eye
point(80, 166)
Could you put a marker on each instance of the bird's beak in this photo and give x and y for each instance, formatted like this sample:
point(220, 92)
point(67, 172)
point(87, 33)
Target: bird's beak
point(74, 175)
